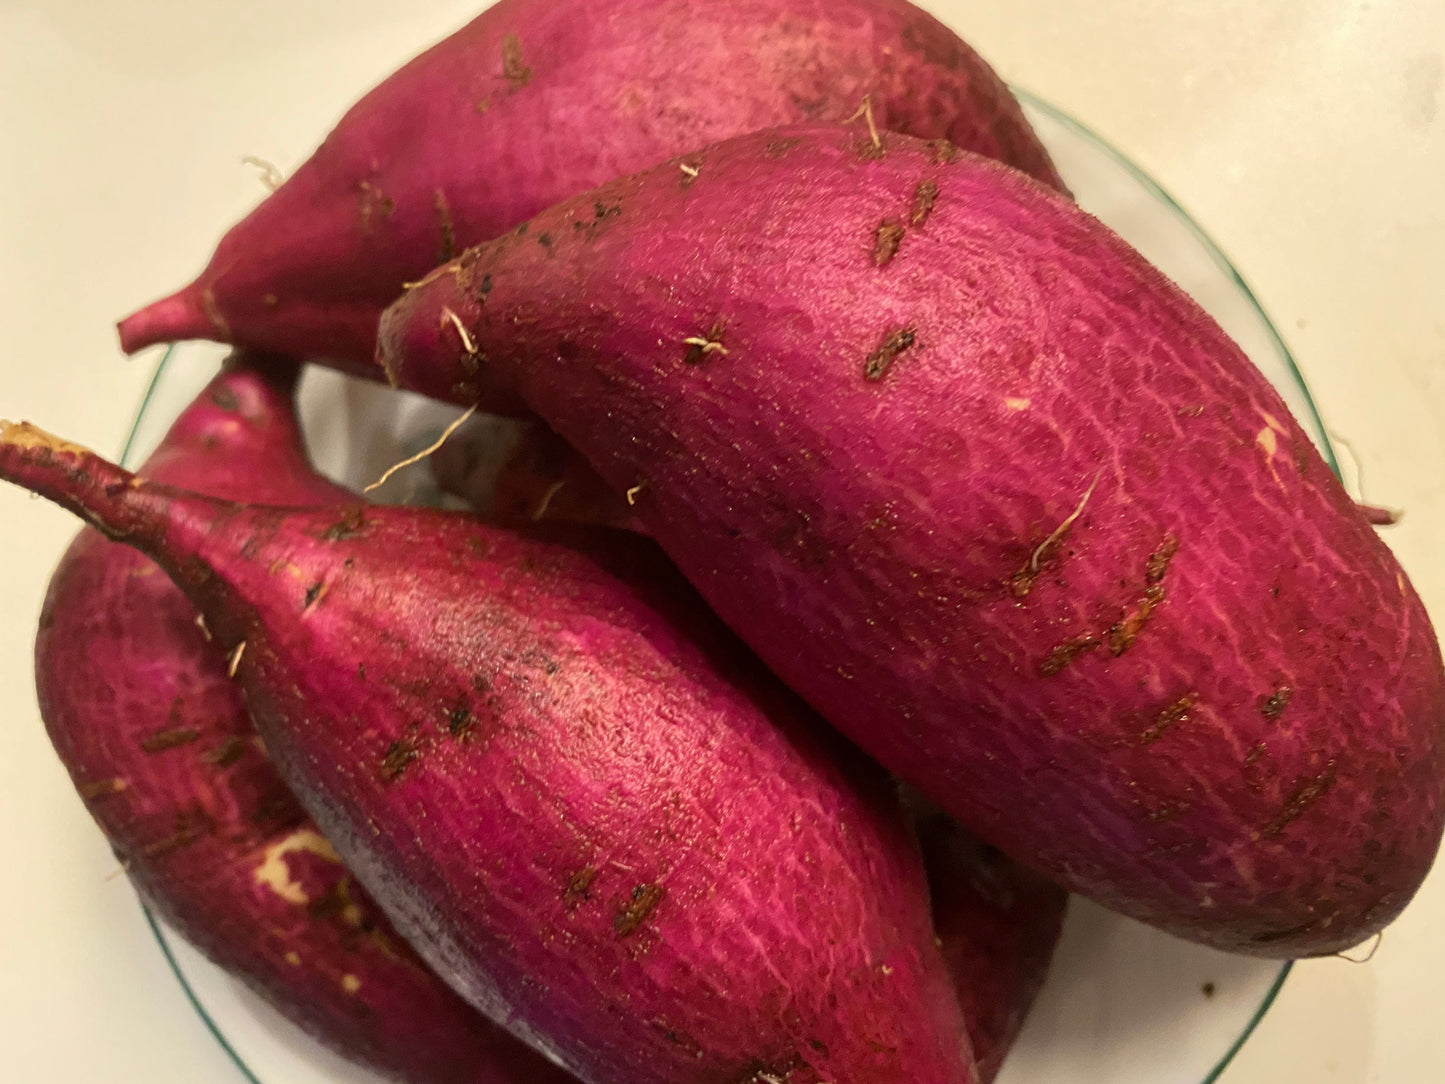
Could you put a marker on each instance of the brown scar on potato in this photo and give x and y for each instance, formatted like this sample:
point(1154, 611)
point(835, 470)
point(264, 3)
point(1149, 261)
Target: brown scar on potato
point(634, 911)
point(1307, 791)
point(777, 148)
point(101, 788)
point(924, 198)
point(514, 69)
point(1124, 632)
point(1067, 652)
point(893, 344)
point(1273, 705)
point(162, 740)
point(227, 753)
point(886, 240)
point(397, 758)
point(1168, 718)
point(191, 826)
point(579, 886)
point(942, 151)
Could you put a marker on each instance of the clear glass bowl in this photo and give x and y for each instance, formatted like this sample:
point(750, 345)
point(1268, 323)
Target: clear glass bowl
point(1123, 1004)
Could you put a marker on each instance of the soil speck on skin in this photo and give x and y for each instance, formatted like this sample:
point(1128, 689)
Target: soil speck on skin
point(942, 151)
point(634, 912)
point(351, 523)
point(460, 721)
point(886, 240)
point(579, 887)
point(893, 344)
point(375, 204)
point(225, 399)
point(1273, 705)
point(514, 68)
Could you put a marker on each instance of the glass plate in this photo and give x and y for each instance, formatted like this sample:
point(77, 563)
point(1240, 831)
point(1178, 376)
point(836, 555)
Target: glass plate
point(1123, 1004)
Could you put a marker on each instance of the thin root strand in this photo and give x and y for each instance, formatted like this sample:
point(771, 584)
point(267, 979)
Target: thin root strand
point(1069, 521)
point(1374, 948)
point(429, 450)
point(866, 112)
point(271, 177)
point(542, 505)
point(456, 321)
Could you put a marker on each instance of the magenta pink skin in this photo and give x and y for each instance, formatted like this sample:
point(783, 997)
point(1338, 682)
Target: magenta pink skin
point(536, 100)
point(520, 472)
point(876, 486)
point(998, 924)
point(158, 742)
point(573, 793)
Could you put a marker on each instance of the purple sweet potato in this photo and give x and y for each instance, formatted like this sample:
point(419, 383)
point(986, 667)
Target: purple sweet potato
point(514, 471)
point(594, 816)
point(158, 742)
point(997, 924)
point(536, 100)
point(1001, 501)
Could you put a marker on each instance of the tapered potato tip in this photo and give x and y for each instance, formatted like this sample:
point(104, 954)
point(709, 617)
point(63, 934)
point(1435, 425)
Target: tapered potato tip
point(180, 316)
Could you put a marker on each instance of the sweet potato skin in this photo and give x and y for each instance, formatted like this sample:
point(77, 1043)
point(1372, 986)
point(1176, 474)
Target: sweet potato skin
point(997, 925)
point(156, 737)
point(1002, 503)
point(536, 100)
point(545, 764)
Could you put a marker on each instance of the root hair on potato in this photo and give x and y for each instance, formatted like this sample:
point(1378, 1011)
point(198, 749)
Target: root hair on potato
point(271, 177)
point(1062, 528)
point(449, 317)
point(1375, 943)
point(542, 505)
point(865, 111)
point(428, 450)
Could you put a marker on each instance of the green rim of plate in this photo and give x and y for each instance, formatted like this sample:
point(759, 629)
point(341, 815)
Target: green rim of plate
point(1224, 264)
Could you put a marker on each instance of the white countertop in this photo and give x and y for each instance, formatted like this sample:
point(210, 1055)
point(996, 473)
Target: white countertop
point(1306, 135)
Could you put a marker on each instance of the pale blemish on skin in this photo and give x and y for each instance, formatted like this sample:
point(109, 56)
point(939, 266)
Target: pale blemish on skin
point(1274, 423)
point(1015, 403)
point(274, 873)
point(293, 958)
point(1268, 441)
point(350, 983)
